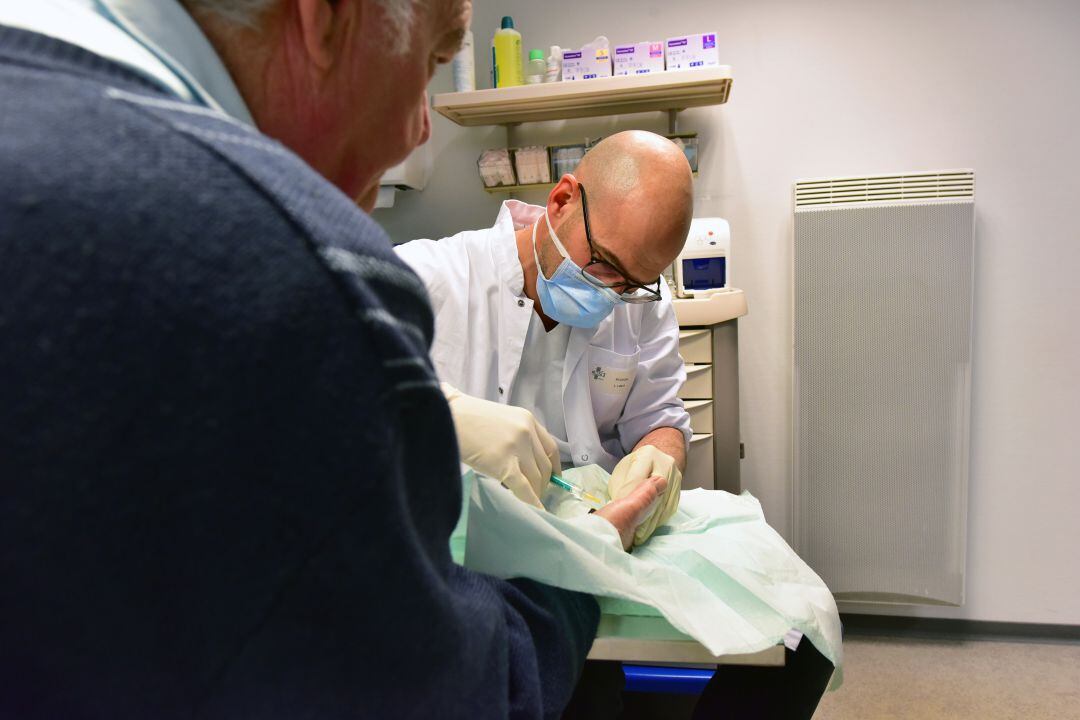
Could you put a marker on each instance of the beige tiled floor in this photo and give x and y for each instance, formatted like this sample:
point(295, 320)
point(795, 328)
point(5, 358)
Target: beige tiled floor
point(888, 678)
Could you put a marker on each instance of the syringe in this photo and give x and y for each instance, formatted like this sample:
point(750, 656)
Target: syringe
point(577, 492)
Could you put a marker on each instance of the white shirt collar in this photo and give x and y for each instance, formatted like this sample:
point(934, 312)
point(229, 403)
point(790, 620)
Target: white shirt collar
point(156, 38)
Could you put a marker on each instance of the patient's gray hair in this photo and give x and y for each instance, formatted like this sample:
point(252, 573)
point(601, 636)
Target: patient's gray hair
point(248, 13)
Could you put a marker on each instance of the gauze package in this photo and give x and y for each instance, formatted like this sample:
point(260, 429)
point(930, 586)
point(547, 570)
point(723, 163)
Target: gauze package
point(532, 164)
point(638, 58)
point(692, 51)
point(716, 571)
point(591, 61)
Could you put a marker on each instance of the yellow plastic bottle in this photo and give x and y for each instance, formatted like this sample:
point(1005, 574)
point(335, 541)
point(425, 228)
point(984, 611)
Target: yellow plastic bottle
point(506, 56)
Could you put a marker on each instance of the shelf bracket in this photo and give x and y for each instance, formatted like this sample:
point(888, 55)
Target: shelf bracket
point(512, 134)
point(673, 122)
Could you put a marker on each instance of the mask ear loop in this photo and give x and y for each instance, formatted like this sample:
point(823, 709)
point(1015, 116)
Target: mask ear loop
point(554, 238)
point(536, 257)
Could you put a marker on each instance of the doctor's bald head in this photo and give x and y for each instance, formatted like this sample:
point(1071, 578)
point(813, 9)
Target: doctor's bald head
point(343, 83)
point(640, 199)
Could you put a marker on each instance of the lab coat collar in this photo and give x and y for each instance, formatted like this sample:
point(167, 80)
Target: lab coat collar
point(513, 216)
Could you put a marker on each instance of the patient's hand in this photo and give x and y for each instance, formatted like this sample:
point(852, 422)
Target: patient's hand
point(629, 512)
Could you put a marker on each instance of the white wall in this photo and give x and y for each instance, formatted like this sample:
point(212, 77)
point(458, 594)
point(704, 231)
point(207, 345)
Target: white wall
point(856, 87)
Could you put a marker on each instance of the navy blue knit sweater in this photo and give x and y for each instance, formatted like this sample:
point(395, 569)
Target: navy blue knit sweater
point(227, 475)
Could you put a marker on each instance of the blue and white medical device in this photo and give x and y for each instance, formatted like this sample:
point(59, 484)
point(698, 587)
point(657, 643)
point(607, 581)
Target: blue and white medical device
point(702, 269)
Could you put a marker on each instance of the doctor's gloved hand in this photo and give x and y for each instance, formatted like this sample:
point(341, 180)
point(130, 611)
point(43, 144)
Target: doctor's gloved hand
point(636, 468)
point(505, 443)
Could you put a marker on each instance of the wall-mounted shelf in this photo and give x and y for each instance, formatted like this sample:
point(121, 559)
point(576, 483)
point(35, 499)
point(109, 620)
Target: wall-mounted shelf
point(504, 189)
point(666, 91)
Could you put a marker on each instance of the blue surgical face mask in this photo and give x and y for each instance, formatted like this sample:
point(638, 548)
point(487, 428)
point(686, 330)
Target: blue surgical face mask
point(567, 297)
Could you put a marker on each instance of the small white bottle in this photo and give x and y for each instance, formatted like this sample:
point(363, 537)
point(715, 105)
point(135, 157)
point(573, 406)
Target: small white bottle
point(536, 69)
point(464, 67)
point(554, 65)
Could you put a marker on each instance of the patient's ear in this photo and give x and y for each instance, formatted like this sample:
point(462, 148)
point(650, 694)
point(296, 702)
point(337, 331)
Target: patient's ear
point(322, 26)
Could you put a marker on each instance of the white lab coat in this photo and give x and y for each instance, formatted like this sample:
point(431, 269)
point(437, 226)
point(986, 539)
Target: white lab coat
point(620, 379)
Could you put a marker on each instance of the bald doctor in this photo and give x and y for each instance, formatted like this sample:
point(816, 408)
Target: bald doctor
point(555, 336)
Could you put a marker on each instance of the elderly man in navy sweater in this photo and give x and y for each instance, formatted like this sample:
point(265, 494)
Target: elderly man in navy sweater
point(229, 474)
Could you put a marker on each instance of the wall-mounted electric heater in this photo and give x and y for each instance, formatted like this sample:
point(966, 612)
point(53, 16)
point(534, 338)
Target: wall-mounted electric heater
point(882, 374)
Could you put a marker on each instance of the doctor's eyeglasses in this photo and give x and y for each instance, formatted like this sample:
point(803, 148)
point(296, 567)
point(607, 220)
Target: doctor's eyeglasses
point(601, 273)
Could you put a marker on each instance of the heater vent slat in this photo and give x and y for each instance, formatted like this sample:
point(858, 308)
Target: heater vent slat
point(945, 185)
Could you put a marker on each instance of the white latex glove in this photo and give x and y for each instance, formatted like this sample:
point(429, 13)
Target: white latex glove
point(636, 468)
point(505, 443)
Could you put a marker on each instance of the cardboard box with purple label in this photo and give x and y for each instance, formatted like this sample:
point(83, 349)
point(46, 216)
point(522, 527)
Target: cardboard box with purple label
point(687, 52)
point(638, 58)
